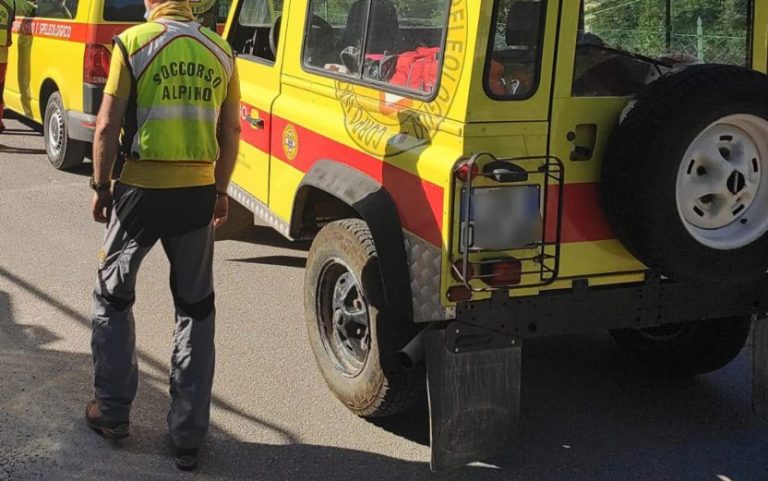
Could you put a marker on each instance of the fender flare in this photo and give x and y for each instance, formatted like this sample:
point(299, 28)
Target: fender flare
point(375, 206)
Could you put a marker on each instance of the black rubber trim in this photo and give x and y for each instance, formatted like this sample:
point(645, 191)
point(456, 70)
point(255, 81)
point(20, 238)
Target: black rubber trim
point(92, 96)
point(376, 207)
point(651, 303)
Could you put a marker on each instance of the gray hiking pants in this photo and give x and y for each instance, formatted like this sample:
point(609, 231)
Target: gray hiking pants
point(139, 218)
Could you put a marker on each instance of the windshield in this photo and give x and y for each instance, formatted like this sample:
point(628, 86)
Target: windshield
point(624, 44)
point(132, 11)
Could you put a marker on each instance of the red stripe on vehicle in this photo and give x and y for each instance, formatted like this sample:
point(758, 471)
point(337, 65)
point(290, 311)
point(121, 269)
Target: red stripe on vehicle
point(69, 31)
point(104, 33)
point(93, 33)
point(419, 202)
point(583, 218)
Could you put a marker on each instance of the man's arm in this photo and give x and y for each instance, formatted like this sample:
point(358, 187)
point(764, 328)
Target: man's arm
point(105, 145)
point(228, 136)
point(106, 138)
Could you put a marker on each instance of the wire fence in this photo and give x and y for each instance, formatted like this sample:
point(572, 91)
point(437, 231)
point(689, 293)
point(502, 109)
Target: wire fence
point(697, 46)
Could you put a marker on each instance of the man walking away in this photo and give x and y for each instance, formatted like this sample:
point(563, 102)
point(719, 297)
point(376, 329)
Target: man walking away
point(175, 86)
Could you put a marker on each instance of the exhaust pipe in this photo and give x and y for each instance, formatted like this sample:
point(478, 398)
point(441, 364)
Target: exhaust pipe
point(413, 352)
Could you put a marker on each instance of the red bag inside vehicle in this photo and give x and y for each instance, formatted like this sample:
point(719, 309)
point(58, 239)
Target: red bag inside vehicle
point(417, 69)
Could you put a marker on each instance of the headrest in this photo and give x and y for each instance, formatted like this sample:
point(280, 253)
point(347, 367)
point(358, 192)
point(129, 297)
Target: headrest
point(523, 23)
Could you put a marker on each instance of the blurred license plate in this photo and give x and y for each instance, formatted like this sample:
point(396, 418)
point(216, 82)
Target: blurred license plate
point(502, 218)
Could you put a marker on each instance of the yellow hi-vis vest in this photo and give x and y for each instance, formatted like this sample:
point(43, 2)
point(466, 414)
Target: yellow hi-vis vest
point(7, 14)
point(181, 72)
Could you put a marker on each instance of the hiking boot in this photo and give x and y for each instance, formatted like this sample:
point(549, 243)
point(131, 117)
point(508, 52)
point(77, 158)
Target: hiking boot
point(186, 459)
point(97, 422)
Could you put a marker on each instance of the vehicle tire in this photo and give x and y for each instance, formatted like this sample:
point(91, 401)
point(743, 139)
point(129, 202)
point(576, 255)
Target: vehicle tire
point(685, 175)
point(354, 337)
point(689, 348)
point(63, 153)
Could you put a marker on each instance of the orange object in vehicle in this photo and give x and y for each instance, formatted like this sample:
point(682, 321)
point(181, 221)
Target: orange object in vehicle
point(495, 79)
point(417, 69)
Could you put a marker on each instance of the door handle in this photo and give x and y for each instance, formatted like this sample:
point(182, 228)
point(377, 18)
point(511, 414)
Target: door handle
point(255, 122)
point(583, 140)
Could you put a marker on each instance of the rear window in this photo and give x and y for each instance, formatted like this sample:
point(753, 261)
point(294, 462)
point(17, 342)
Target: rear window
point(132, 11)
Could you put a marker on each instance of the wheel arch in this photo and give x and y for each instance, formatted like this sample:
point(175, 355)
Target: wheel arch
point(47, 88)
point(333, 191)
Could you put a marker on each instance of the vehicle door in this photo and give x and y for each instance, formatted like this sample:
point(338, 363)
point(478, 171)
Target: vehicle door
point(254, 36)
point(43, 32)
point(609, 51)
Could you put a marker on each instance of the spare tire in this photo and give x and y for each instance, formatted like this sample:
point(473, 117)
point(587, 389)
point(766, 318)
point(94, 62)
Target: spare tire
point(685, 175)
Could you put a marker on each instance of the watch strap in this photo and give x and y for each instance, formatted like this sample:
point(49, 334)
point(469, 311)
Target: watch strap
point(100, 187)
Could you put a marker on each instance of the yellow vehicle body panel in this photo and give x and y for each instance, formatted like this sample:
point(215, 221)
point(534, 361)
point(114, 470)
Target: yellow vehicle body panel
point(411, 146)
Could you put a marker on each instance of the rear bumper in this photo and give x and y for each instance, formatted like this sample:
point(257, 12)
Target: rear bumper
point(651, 303)
point(81, 126)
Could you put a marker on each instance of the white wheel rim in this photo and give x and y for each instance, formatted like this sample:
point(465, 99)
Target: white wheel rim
point(721, 196)
point(55, 132)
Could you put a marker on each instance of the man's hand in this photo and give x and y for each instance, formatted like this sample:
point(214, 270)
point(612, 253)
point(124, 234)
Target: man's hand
point(100, 205)
point(220, 211)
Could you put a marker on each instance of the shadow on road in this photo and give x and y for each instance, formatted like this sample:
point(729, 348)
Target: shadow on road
point(285, 261)
point(267, 236)
point(588, 414)
point(43, 436)
point(4, 149)
point(34, 126)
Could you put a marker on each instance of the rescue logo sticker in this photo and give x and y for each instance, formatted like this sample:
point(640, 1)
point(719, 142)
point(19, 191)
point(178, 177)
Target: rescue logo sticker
point(290, 142)
point(392, 124)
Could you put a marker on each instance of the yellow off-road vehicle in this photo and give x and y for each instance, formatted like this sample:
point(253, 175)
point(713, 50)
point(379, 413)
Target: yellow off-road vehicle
point(475, 173)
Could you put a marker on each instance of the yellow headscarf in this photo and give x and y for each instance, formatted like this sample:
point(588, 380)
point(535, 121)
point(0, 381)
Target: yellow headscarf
point(172, 8)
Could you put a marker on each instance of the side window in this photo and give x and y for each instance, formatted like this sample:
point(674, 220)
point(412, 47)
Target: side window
point(66, 9)
point(513, 66)
point(622, 47)
point(124, 11)
point(256, 30)
point(335, 28)
point(130, 11)
point(404, 46)
point(222, 10)
point(393, 43)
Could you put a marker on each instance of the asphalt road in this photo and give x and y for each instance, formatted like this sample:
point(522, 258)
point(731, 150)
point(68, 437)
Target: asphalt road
point(588, 412)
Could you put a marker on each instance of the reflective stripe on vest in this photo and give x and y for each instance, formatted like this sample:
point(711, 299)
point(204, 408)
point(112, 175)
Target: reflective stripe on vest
point(6, 22)
point(181, 77)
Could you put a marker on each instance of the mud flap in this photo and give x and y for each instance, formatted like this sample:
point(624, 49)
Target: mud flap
point(760, 367)
point(473, 382)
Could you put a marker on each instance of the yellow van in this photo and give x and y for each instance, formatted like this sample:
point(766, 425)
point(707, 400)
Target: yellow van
point(58, 64)
point(476, 173)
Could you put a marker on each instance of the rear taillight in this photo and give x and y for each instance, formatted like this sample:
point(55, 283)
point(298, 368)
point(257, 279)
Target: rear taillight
point(458, 271)
point(459, 294)
point(503, 272)
point(96, 64)
point(463, 171)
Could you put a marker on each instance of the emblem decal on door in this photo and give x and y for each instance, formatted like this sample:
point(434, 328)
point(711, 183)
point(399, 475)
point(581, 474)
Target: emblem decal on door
point(290, 142)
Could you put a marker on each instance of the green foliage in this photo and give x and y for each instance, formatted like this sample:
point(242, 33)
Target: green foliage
point(643, 26)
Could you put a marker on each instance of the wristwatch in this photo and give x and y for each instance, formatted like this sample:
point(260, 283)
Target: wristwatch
point(99, 188)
